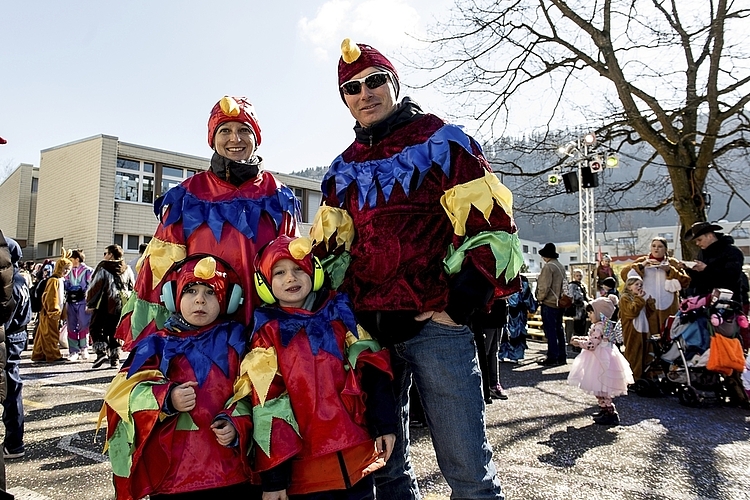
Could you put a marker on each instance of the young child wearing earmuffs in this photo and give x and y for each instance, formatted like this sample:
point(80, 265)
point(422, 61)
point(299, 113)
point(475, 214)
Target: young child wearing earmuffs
point(320, 387)
point(170, 430)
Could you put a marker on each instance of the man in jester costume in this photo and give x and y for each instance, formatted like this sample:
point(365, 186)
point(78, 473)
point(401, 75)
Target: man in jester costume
point(171, 429)
point(320, 386)
point(229, 211)
point(419, 232)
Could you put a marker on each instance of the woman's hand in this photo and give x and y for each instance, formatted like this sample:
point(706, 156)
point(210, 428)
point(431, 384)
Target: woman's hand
point(224, 431)
point(436, 316)
point(183, 396)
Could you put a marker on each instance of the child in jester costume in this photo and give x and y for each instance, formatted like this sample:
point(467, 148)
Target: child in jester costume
point(229, 211)
point(171, 431)
point(319, 385)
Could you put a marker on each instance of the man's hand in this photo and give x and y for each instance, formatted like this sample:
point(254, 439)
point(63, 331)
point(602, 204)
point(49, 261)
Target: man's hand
point(275, 495)
point(384, 446)
point(224, 431)
point(699, 266)
point(438, 317)
point(183, 396)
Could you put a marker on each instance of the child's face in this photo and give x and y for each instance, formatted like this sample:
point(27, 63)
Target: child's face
point(636, 288)
point(290, 283)
point(199, 305)
point(592, 317)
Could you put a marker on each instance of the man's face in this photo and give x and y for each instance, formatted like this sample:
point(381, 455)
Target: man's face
point(371, 106)
point(704, 240)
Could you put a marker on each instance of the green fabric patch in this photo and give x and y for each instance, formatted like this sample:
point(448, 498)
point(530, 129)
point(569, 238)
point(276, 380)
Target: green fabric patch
point(335, 266)
point(356, 349)
point(142, 397)
point(263, 416)
point(143, 313)
point(185, 422)
point(121, 448)
point(506, 249)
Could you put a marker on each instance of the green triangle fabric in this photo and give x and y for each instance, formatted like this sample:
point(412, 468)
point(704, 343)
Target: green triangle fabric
point(121, 448)
point(506, 248)
point(263, 416)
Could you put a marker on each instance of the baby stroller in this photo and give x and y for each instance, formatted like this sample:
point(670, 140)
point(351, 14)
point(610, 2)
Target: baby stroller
point(654, 381)
point(686, 359)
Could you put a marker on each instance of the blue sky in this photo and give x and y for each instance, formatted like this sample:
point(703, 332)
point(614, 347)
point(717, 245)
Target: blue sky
point(148, 72)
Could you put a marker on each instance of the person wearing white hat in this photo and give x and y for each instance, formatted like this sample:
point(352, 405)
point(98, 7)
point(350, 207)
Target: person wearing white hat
point(634, 303)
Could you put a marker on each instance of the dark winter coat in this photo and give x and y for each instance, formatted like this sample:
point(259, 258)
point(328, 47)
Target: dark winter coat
point(723, 268)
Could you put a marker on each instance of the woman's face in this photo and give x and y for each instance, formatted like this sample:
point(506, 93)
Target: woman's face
point(235, 140)
point(658, 249)
point(577, 276)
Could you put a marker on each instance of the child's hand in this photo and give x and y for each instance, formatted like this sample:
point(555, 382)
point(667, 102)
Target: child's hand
point(384, 446)
point(275, 495)
point(183, 396)
point(225, 432)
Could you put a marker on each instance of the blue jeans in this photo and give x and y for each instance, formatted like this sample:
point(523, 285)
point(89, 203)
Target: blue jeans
point(552, 324)
point(442, 361)
point(13, 404)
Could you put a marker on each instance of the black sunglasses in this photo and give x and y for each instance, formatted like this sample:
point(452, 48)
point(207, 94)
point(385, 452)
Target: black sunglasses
point(373, 81)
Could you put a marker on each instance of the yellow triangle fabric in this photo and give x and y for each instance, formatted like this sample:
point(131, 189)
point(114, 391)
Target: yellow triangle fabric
point(481, 193)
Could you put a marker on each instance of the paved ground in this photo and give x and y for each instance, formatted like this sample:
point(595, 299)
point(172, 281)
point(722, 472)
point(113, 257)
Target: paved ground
point(546, 446)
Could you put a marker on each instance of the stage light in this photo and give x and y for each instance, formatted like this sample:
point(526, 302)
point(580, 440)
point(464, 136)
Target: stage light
point(613, 161)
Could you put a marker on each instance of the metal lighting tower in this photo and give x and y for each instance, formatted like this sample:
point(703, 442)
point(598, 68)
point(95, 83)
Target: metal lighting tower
point(586, 230)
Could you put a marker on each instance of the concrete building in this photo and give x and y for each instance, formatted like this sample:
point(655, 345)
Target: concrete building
point(19, 195)
point(98, 191)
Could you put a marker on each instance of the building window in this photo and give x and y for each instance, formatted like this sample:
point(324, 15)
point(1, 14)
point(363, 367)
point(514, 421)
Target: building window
point(50, 248)
point(136, 180)
point(533, 250)
point(573, 258)
point(130, 242)
point(172, 176)
point(745, 250)
point(526, 249)
point(34, 184)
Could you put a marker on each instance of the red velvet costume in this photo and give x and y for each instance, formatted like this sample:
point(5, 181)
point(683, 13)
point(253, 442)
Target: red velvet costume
point(308, 397)
point(151, 452)
point(392, 190)
point(206, 214)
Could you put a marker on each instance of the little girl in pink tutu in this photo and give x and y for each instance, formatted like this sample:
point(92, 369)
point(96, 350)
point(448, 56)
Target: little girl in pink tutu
point(601, 369)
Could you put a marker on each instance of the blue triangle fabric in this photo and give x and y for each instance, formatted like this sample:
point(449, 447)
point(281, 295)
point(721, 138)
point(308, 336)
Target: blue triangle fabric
point(317, 325)
point(202, 350)
point(400, 168)
point(242, 213)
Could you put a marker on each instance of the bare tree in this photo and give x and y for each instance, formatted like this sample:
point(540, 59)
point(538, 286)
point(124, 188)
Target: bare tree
point(666, 79)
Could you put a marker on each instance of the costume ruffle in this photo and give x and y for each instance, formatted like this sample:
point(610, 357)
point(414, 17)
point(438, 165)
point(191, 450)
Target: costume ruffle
point(317, 326)
point(400, 168)
point(242, 213)
point(209, 347)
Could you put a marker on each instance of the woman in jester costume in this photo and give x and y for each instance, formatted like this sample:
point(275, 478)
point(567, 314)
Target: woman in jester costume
point(171, 432)
point(229, 211)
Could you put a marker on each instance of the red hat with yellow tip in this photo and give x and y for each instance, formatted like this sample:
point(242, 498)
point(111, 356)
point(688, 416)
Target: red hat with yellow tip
point(233, 109)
